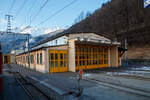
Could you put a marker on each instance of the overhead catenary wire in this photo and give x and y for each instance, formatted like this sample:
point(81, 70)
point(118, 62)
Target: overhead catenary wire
point(34, 17)
point(12, 5)
point(32, 6)
point(21, 7)
point(57, 12)
point(28, 12)
point(54, 14)
point(38, 12)
point(30, 9)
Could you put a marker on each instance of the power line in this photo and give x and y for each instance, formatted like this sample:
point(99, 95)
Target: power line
point(12, 5)
point(28, 12)
point(57, 12)
point(30, 9)
point(33, 18)
point(28, 26)
point(21, 7)
point(38, 12)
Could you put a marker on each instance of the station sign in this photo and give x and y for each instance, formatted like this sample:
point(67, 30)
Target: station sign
point(146, 3)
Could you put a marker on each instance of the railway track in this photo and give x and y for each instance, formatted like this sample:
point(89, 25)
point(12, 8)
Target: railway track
point(29, 87)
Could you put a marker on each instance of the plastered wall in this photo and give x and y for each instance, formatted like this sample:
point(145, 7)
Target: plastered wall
point(71, 59)
point(113, 56)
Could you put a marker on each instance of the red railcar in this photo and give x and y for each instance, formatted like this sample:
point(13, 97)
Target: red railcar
point(1, 62)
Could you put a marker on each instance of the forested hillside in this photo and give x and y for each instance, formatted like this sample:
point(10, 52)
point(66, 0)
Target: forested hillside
point(120, 19)
point(117, 19)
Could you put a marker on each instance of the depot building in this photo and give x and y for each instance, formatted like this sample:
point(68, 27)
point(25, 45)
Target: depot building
point(64, 52)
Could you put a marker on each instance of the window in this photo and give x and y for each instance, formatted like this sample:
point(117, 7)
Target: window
point(37, 59)
point(52, 59)
point(32, 59)
point(26, 59)
point(41, 61)
point(23, 59)
point(65, 60)
point(56, 42)
point(105, 55)
point(56, 60)
point(61, 58)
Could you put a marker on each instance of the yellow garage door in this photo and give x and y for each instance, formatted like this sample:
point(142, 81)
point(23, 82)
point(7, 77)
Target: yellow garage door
point(91, 57)
point(58, 61)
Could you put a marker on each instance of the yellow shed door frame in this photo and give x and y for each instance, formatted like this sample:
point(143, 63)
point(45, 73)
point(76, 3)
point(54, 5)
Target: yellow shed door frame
point(58, 61)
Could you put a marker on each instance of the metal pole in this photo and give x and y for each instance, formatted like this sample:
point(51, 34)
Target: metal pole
point(127, 19)
point(126, 54)
point(15, 48)
point(28, 52)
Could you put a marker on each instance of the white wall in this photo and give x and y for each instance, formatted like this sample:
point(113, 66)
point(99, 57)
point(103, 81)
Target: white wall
point(71, 59)
point(41, 67)
point(114, 56)
point(60, 41)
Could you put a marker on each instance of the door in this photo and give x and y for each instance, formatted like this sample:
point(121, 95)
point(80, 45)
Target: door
point(91, 57)
point(58, 60)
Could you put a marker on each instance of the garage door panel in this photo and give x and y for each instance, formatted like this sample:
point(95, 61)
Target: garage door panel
point(91, 57)
point(58, 61)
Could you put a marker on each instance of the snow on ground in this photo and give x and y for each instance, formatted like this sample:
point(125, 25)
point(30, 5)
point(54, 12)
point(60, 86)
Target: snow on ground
point(87, 75)
point(146, 68)
point(132, 71)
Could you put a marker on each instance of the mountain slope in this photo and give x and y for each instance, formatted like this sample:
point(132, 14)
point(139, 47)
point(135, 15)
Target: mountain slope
point(120, 19)
point(114, 18)
point(39, 38)
point(11, 41)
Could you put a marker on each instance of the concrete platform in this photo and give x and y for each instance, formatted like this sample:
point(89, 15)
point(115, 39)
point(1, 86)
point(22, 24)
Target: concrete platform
point(64, 83)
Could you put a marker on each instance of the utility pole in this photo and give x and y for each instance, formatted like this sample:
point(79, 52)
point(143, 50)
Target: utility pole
point(28, 51)
point(9, 18)
point(126, 52)
point(127, 29)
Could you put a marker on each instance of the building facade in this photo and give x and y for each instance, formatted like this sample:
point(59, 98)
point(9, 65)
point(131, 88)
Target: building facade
point(71, 52)
point(8, 58)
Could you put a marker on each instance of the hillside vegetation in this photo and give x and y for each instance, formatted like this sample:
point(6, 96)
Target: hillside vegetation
point(120, 19)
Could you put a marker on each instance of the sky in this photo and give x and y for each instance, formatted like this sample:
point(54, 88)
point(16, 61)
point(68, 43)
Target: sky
point(25, 10)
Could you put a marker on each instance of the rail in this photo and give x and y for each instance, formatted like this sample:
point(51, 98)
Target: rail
point(28, 86)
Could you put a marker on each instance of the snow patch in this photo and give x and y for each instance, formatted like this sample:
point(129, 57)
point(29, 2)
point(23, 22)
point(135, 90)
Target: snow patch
point(87, 75)
point(143, 68)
